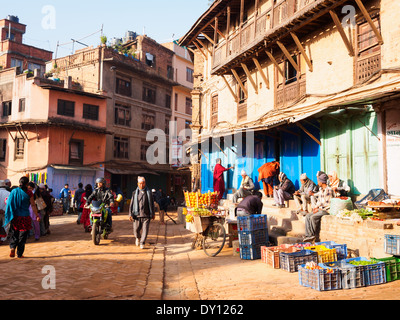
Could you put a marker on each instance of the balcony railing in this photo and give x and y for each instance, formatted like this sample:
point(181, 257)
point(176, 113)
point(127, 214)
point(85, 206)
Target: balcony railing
point(289, 93)
point(254, 30)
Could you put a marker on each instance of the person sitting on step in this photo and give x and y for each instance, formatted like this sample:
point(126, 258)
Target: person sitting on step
point(284, 191)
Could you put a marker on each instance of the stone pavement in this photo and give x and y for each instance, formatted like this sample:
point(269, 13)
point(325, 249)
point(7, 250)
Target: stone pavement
point(167, 270)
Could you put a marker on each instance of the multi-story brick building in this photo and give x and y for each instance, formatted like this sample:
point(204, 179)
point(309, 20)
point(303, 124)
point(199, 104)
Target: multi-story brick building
point(51, 130)
point(138, 80)
point(15, 53)
point(315, 81)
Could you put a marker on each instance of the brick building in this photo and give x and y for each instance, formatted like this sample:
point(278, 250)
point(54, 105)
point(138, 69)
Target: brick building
point(316, 82)
point(14, 53)
point(137, 77)
point(51, 130)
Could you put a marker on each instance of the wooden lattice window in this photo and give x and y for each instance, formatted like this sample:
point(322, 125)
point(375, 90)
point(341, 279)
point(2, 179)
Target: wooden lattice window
point(19, 148)
point(242, 104)
point(368, 50)
point(214, 111)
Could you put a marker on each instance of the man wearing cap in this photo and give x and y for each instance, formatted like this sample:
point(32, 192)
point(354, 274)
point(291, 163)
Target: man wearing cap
point(4, 193)
point(303, 196)
point(313, 220)
point(8, 184)
point(246, 188)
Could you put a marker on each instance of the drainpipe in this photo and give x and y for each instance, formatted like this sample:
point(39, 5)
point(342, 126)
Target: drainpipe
point(101, 69)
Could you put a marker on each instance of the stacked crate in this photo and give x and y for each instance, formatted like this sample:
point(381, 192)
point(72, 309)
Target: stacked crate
point(253, 234)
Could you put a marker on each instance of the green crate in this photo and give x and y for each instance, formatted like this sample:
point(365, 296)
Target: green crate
point(392, 265)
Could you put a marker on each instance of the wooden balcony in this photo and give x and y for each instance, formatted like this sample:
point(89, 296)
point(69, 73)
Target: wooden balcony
point(287, 94)
point(269, 26)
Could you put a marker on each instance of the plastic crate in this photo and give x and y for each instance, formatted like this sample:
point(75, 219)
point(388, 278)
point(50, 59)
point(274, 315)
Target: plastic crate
point(352, 277)
point(324, 254)
point(392, 244)
point(320, 279)
point(341, 249)
point(250, 252)
point(290, 262)
point(270, 255)
point(253, 237)
point(373, 195)
point(392, 265)
point(253, 222)
point(374, 273)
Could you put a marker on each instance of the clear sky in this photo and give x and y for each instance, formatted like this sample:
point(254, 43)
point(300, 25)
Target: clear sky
point(52, 21)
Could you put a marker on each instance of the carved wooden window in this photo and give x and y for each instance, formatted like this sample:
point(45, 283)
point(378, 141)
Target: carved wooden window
point(214, 111)
point(292, 84)
point(242, 104)
point(368, 50)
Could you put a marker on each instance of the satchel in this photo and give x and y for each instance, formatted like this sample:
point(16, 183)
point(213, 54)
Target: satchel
point(41, 205)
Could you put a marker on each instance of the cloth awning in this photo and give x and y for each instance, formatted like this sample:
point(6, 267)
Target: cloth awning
point(74, 168)
point(134, 172)
point(310, 105)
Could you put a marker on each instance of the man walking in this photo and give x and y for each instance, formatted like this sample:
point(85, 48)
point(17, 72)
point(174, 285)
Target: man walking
point(141, 212)
point(77, 200)
point(65, 196)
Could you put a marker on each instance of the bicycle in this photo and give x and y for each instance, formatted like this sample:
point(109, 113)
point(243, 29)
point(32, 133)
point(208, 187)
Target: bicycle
point(213, 238)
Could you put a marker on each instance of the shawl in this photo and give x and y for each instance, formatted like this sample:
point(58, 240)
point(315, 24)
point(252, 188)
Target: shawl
point(134, 207)
point(268, 170)
point(17, 205)
point(334, 180)
point(218, 171)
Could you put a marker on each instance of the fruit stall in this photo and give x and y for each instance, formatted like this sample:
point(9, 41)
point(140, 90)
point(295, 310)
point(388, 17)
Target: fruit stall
point(201, 211)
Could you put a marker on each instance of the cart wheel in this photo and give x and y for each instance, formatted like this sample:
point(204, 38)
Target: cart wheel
point(214, 240)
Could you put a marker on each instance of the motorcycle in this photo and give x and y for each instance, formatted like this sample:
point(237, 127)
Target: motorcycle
point(98, 216)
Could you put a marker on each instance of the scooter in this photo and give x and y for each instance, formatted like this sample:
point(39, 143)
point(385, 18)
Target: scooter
point(98, 216)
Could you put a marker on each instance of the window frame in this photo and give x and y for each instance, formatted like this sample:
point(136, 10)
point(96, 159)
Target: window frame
point(147, 126)
point(91, 112)
point(149, 94)
point(125, 121)
point(7, 104)
point(62, 109)
point(81, 146)
point(19, 152)
point(118, 152)
point(22, 105)
point(121, 87)
point(189, 75)
point(3, 150)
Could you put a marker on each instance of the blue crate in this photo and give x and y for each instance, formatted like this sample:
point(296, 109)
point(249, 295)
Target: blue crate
point(374, 195)
point(290, 262)
point(341, 249)
point(253, 237)
point(351, 276)
point(250, 252)
point(253, 222)
point(374, 274)
point(320, 279)
point(392, 244)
